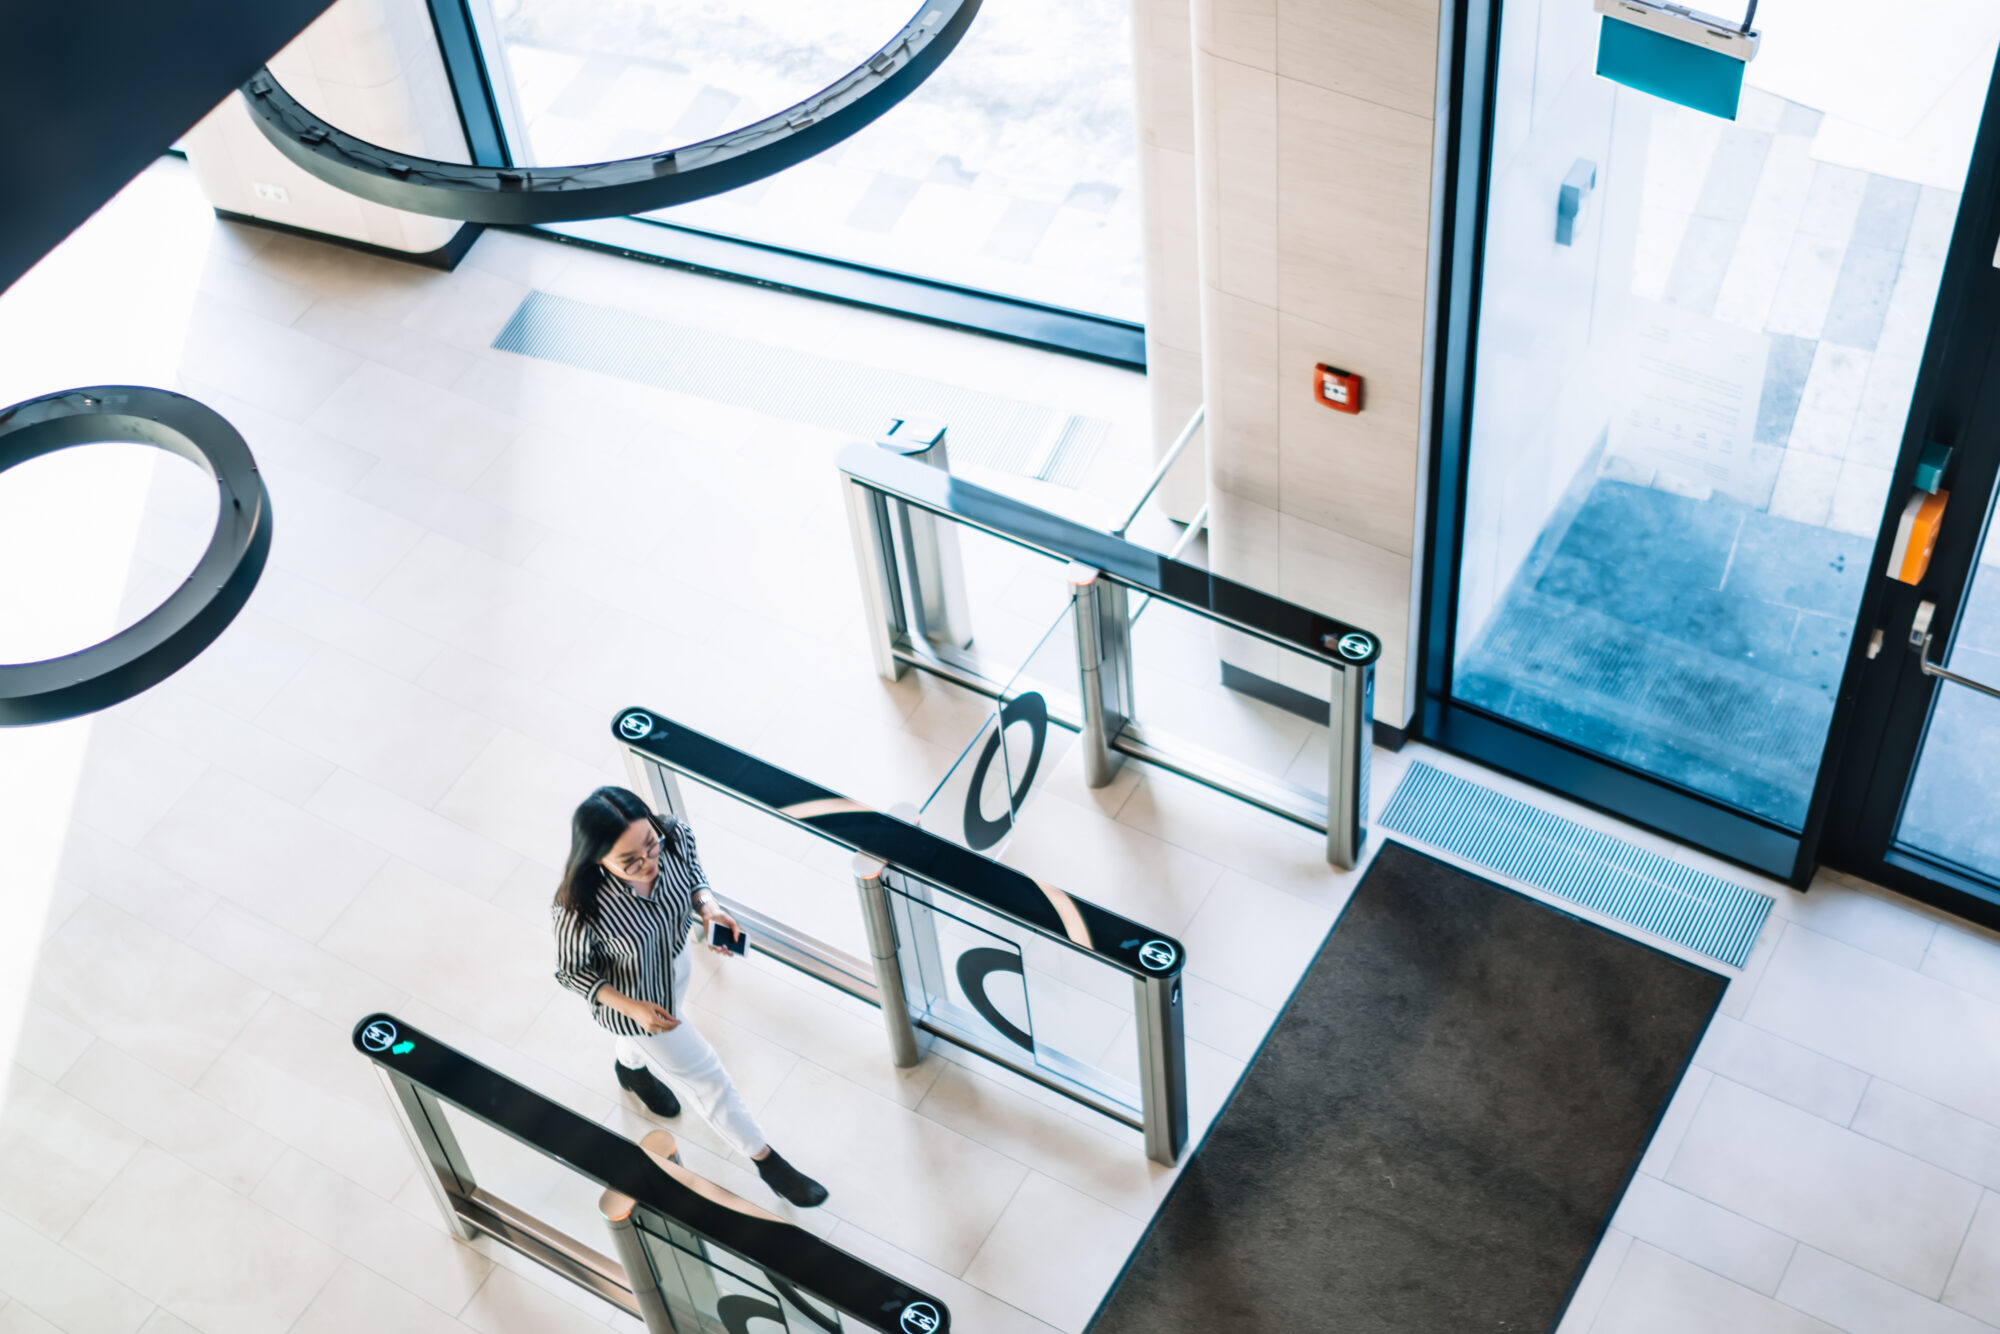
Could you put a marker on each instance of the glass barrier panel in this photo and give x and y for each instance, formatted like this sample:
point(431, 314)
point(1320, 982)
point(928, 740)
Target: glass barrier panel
point(1015, 992)
point(776, 868)
point(1017, 746)
point(1012, 596)
point(1257, 706)
point(708, 1291)
point(530, 1180)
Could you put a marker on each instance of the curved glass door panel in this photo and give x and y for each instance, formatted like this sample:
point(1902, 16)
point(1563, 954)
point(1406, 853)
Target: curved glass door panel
point(1949, 813)
point(1698, 341)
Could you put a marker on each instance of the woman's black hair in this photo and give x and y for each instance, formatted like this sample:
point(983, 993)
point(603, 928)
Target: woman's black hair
point(596, 827)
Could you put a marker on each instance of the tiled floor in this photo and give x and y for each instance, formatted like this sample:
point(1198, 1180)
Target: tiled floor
point(355, 799)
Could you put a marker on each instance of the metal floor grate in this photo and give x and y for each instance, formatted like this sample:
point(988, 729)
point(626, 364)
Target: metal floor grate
point(986, 429)
point(1594, 870)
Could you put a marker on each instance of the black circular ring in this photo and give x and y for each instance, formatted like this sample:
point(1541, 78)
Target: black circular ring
point(528, 195)
point(980, 832)
point(170, 636)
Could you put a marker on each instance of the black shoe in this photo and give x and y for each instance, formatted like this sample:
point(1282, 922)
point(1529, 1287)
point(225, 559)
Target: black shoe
point(643, 1085)
point(794, 1185)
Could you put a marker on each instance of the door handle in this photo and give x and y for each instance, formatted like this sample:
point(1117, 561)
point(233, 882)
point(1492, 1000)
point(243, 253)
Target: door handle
point(1920, 644)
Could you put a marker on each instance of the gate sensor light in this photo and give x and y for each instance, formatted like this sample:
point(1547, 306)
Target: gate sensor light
point(1678, 54)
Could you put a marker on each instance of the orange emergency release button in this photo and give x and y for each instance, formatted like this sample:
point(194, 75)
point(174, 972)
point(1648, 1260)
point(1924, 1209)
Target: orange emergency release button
point(1336, 388)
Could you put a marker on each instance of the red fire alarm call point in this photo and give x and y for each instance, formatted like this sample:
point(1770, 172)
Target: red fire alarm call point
point(1336, 388)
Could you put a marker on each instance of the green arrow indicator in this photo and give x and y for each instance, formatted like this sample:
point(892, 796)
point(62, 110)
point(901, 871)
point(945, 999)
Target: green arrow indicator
point(403, 1048)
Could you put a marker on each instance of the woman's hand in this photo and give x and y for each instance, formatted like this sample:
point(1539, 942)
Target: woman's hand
point(653, 1018)
point(711, 914)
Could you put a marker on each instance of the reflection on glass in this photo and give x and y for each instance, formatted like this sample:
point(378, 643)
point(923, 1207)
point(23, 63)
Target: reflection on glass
point(1016, 993)
point(1685, 413)
point(1950, 810)
point(1013, 169)
point(708, 1291)
point(1254, 704)
point(530, 1181)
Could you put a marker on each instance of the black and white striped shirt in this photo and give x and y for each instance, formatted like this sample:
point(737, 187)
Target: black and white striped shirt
point(633, 943)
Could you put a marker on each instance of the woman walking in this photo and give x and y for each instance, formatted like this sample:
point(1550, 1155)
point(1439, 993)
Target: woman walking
point(630, 894)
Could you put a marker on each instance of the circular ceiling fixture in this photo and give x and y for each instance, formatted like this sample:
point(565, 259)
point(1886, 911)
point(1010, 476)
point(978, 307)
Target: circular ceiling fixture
point(169, 637)
point(527, 195)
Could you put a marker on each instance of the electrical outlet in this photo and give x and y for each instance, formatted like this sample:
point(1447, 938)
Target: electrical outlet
point(273, 193)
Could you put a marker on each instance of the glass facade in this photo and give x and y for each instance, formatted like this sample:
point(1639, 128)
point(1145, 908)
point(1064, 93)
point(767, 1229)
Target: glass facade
point(1013, 169)
point(1698, 342)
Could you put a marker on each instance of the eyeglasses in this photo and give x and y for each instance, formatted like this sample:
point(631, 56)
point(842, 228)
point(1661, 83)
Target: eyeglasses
point(634, 862)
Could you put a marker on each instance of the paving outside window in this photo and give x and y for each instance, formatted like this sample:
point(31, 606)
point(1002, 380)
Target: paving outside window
point(1014, 169)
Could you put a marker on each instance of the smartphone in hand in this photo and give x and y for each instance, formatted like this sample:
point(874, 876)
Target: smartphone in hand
point(723, 938)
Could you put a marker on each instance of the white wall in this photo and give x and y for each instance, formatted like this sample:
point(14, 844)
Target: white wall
point(372, 68)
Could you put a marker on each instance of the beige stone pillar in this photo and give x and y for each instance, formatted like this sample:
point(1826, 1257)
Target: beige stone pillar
point(1314, 168)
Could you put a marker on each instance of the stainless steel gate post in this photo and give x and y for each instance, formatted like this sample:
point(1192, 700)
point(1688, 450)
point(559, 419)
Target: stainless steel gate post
point(1098, 609)
point(657, 783)
point(881, 925)
point(1351, 751)
point(617, 1207)
point(1162, 1066)
point(881, 590)
point(440, 1162)
point(939, 610)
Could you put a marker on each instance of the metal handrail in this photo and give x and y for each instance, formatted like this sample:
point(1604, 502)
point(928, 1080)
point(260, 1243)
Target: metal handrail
point(897, 857)
point(1920, 644)
point(1166, 465)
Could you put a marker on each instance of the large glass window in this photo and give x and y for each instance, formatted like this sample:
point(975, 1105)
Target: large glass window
point(1012, 170)
point(1697, 345)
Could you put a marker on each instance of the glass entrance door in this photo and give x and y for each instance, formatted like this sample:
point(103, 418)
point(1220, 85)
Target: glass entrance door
point(1691, 362)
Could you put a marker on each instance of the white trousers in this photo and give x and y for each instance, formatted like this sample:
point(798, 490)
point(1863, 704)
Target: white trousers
point(682, 1058)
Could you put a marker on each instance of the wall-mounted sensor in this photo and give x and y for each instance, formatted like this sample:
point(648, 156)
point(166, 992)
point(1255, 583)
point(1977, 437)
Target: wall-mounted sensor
point(1676, 53)
point(1336, 388)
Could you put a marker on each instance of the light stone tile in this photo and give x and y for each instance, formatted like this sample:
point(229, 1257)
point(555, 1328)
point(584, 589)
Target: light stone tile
point(401, 736)
point(514, 701)
point(135, 883)
point(881, 1163)
point(244, 669)
point(1860, 1303)
point(467, 309)
point(1806, 483)
point(1693, 1229)
point(167, 1114)
point(449, 851)
point(326, 535)
point(233, 744)
point(509, 1304)
point(1254, 939)
point(1243, 103)
point(56, 1153)
point(1863, 916)
point(1966, 957)
point(1245, 31)
point(298, 970)
point(970, 1307)
point(491, 608)
point(381, 286)
point(163, 1321)
point(1111, 1169)
point(356, 1298)
point(263, 363)
point(130, 779)
point(1350, 238)
point(1380, 51)
point(415, 1258)
point(49, 1044)
point(494, 973)
point(1656, 1293)
point(213, 1258)
point(520, 794)
point(1889, 1020)
point(153, 997)
point(414, 424)
point(371, 336)
point(447, 510)
point(1831, 398)
point(1830, 1188)
point(344, 624)
point(1858, 498)
point(299, 1078)
point(1125, 869)
point(1744, 985)
point(1786, 1071)
point(1222, 1019)
point(1805, 289)
point(17, 1319)
point(1054, 1252)
point(1930, 1131)
point(52, 1281)
point(1595, 1285)
point(263, 854)
point(1975, 1279)
point(1241, 381)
